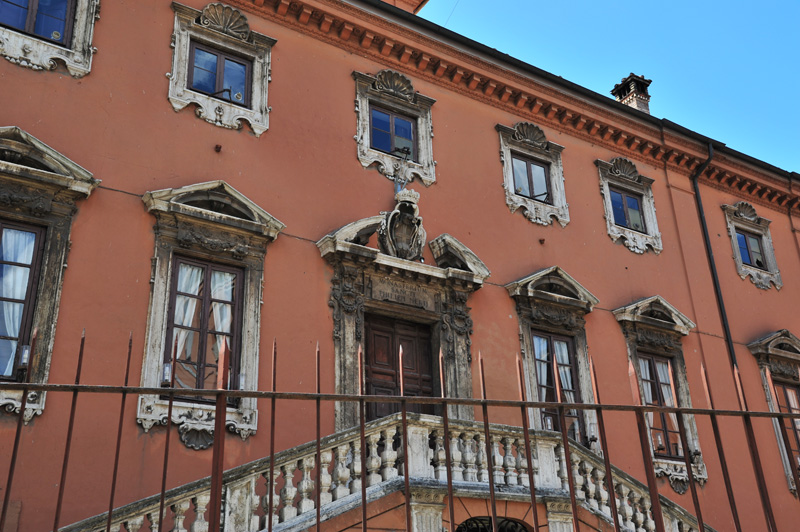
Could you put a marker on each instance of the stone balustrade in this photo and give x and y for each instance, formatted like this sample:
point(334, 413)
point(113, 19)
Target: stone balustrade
point(294, 479)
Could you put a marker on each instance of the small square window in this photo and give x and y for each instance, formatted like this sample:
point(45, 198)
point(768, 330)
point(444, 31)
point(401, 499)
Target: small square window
point(627, 208)
point(48, 19)
point(531, 179)
point(393, 133)
point(751, 242)
point(220, 75)
point(750, 249)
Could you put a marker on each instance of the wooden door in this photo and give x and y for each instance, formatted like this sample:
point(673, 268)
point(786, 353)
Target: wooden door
point(384, 338)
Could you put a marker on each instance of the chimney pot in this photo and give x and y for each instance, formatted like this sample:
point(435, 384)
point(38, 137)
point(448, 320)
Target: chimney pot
point(632, 91)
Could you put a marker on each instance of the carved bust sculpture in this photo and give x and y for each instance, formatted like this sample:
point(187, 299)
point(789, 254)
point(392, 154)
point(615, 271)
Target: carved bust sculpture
point(401, 233)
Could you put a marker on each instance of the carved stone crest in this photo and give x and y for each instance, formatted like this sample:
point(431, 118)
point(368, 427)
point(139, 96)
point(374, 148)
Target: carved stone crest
point(401, 233)
point(225, 19)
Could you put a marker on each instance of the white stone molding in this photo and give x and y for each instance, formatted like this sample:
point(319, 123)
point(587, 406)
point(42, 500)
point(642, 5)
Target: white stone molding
point(35, 53)
point(426, 510)
point(448, 252)
point(213, 222)
point(394, 91)
point(552, 301)
point(622, 174)
point(226, 29)
point(778, 352)
point(743, 216)
point(529, 140)
point(653, 325)
point(40, 186)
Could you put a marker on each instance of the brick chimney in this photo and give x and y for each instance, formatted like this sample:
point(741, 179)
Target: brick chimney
point(412, 6)
point(632, 91)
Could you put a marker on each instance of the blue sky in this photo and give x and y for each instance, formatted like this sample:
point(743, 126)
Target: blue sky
point(728, 70)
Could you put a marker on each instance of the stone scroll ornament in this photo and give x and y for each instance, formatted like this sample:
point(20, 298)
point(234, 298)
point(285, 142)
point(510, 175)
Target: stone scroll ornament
point(401, 233)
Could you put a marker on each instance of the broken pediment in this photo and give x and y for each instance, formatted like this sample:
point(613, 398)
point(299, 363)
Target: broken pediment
point(215, 202)
point(553, 285)
point(448, 252)
point(31, 162)
point(781, 344)
point(656, 312)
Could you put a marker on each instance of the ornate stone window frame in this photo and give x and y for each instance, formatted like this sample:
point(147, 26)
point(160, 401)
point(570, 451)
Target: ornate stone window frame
point(39, 186)
point(210, 235)
point(368, 280)
point(226, 29)
point(654, 326)
point(395, 92)
point(529, 141)
point(552, 301)
point(622, 173)
point(37, 54)
point(743, 216)
point(780, 353)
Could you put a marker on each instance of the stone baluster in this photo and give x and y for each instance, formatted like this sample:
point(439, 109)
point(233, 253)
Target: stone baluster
point(306, 485)
point(179, 509)
point(522, 463)
point(647, 511)
point(456, 466)
point(133, 524)
point(389, 455)
point(589, 486)
point(625, 509)
point(154, 519)
point(602, 492)
point(325, 479)
point(638, 515)
point(497, 463)
point(341, 473)
point(373, 460)
point(288, 492)
point(482, 461)
point(271, 488)
point(509, 462)
point(355, 468)
point(469, 457)
point(577, 477)
point(563, 468)
point(439, 457)
point(200, 503)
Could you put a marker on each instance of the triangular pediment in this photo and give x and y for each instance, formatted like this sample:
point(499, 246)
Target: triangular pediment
point(656, 312)
point(555, 284)
point(25, 157)
point(779, 343)
point(215, 201)
point(449, 252)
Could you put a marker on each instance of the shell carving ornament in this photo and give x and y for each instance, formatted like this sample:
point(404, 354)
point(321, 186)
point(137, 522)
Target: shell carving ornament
point(746, 211)
point(622, 167)
point(527, 132)
point(225, 19)
point(394, 83)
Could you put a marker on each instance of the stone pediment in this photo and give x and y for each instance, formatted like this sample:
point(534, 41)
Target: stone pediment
point(657, 312)
point(780, 344)
point(553, 285)
point(30, 160)
point(216, 202)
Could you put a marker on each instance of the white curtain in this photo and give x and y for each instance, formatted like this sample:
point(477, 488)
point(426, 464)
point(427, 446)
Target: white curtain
point(542, 371)
point(189, 280)
point(17, 246)
point(565, 371)
point(222, 285)
point(794, 407)
point(644, 370)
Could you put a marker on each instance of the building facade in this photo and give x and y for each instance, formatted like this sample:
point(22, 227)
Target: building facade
point(209, 177)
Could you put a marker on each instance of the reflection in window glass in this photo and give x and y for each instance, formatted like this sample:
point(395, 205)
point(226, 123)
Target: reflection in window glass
point(392, 133)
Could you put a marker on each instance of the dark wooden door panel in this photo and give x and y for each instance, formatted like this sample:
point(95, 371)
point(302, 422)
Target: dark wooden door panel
point(384, 337)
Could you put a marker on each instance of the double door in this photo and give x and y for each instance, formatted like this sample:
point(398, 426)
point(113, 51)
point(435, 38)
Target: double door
point(384, 336)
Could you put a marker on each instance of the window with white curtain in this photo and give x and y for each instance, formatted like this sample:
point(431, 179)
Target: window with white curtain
point(551, 352)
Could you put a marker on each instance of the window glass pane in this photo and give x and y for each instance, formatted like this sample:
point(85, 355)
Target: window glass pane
point(635, 213)
point(187, 311)
point(521, 185)
point(53, 8)
point(565, 370)
point(205, 60)
point(741, 240)
point(539, 178)
point(381, 120)
point(13, 281)
point(8, 348)
point(381, 140)
point(618, 208)
point(186, 375)
point(403, 128)
point(400, 143)
point(222, 285)
point(220, 317)
point(17, 246)
point(185, 347)
point(190, 279)
point(10, 318)
point(755, 251)
point(204, 81)
point(235, 79)
point(49, 27)
point(14, 13)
